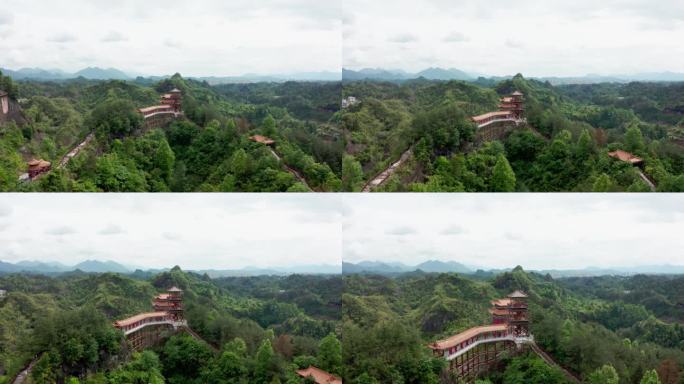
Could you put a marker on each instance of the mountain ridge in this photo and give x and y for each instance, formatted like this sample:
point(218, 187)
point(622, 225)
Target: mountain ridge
point(436, 73)
point(109, 266)
point(435, 266)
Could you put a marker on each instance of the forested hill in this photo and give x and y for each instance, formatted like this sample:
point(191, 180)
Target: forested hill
point(626, 326)
point(264, 327)
point(209, 150)
point(563, 147)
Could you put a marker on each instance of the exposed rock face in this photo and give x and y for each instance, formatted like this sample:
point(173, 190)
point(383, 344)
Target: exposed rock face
point(10, 110)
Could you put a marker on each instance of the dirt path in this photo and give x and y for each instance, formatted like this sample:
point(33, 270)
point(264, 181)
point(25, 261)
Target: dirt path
point(382, 177)
point(550, 361)
point(74, 152)
point(646, 180)
point(291, 170)
point(22, 377)
point(194, 334)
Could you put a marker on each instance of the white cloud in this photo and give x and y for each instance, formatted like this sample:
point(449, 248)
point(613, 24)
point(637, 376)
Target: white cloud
point(551, 38)
point(62, 37)
point(61, 230)
point(538, 231)
point(456, 37)
point(111, 229)
point(114, 37)
point(195, 231)
point(6, 18)
point(403, 38)
point(203, 37)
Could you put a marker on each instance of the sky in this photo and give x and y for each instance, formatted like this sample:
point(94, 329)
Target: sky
point(195, 38)
point(537, 231)
point(194, 231)
point(502, 37)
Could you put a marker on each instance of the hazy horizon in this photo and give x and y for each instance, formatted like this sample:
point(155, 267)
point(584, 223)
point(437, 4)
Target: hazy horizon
point(500, 38)
point(196, 231)
point(203, 38)
point(496, 231)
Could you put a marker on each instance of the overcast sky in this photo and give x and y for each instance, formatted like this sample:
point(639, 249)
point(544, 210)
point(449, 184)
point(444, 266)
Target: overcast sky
point(195, 231)
point(502, 37)
point(540, 231)
point(199, 37)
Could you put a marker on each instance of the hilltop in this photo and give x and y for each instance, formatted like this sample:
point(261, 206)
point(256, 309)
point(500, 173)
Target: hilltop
point(67, 322)
point(420, 136)
point(583, 323)
point(208, 148)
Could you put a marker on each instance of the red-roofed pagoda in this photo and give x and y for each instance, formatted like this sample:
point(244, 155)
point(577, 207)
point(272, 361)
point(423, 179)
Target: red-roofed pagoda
point(170, 108)
point(475, 350)
point(146, 329)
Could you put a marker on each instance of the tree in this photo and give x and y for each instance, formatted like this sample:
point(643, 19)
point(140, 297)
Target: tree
point(650, 377)
point(164, 159)
point(603, 183)
point(284, 346)
point(669, 372)
point(604, 375)
point(634, 140)
point(585, 146)
point(240, 163)
point(184, 357)
point(269, 125)
point(43, 371)
point(227, 368)
point(144, 368)
point(352, 174)
point(330, 354)
point(264, 362)
point(503, 177)
point(115, 118)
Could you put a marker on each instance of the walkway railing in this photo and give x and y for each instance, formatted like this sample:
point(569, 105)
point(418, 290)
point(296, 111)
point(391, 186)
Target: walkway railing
point(516, 121)
point(173, 323)
point(486, 340)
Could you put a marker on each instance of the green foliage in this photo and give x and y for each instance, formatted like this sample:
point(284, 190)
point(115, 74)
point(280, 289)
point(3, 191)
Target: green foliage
point(563, 146)
point(604, 375)
point(144, 368)
point(352, 174)
point(503, 178)
point(264, 361)
point(115, 118)
point(81, 343)
point(330, 354)
point(531, 370)
point(192, 154)
point(650, 377)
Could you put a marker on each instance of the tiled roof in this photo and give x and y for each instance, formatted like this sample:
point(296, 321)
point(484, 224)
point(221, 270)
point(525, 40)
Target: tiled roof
point(463, 336)
point(491, 114)
point(320, 376)
point(517, 295)
point(625, 156)
point(262, 139)
point(136, 318)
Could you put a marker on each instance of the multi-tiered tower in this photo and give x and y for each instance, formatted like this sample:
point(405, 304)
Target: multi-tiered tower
point(170, 302)
point(173, 99)
point(513, 103)
point(513, 311)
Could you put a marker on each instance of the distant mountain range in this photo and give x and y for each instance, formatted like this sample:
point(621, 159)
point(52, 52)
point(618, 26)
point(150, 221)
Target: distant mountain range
point(395, 75)
point(377, 74)
point(95, 73)
point(96, 266)
point(430, 266)
point(380, 74)
point(435, 266)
